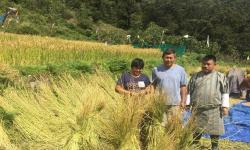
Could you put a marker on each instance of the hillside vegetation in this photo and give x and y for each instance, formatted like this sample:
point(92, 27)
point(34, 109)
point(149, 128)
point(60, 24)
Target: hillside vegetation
point(226, 22)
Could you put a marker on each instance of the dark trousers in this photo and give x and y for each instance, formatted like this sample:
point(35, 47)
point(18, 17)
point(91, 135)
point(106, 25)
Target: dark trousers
point(248, 96)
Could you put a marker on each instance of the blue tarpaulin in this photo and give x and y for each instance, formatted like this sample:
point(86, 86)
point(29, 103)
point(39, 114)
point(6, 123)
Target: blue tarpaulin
point(2, 18)
point(237, 123)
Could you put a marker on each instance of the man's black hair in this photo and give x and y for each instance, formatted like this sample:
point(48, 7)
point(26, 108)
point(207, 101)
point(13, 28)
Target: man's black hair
point(137, 63)
point(168, 52)
point(209, 57)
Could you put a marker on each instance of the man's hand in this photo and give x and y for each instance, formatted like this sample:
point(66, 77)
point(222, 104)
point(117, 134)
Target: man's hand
point(140, 93)
point(224, 111)
point(183, 93)
point(182, 105)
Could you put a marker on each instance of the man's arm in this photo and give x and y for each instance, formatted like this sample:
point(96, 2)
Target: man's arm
point(183, 92)
point(119, 89)
point(183, 89)
point(149, 89)
point(225, 104)
point(154, 79)
point(225, 94)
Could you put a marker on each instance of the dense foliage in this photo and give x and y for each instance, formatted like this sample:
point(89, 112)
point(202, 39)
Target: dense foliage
point(226, 22)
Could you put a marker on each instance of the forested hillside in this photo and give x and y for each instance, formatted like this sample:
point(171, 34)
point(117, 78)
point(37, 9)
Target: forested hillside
point(227, 22)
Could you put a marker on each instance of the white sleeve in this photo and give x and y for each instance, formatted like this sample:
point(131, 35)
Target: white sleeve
point(225, 100)
point(188, 100)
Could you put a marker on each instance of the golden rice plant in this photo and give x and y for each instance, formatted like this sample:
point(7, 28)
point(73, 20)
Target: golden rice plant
point(248, 70)
point(192, 69)
point(120, 127)
point(222, 69)
point(174, 135)
point(59, 115)
point(84, 113)
point(9, 72)
point(27, 50)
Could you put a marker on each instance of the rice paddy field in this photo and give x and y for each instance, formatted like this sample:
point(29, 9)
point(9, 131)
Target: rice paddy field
point(59, 94)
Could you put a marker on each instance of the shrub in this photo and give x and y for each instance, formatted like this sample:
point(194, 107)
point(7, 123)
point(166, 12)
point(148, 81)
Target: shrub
point(27, 28)
point(30, 70)
point(81, 66)
point(153, 34)
point(55, 69)
point(117, 66)
point(108, 33)
point(6, 117)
